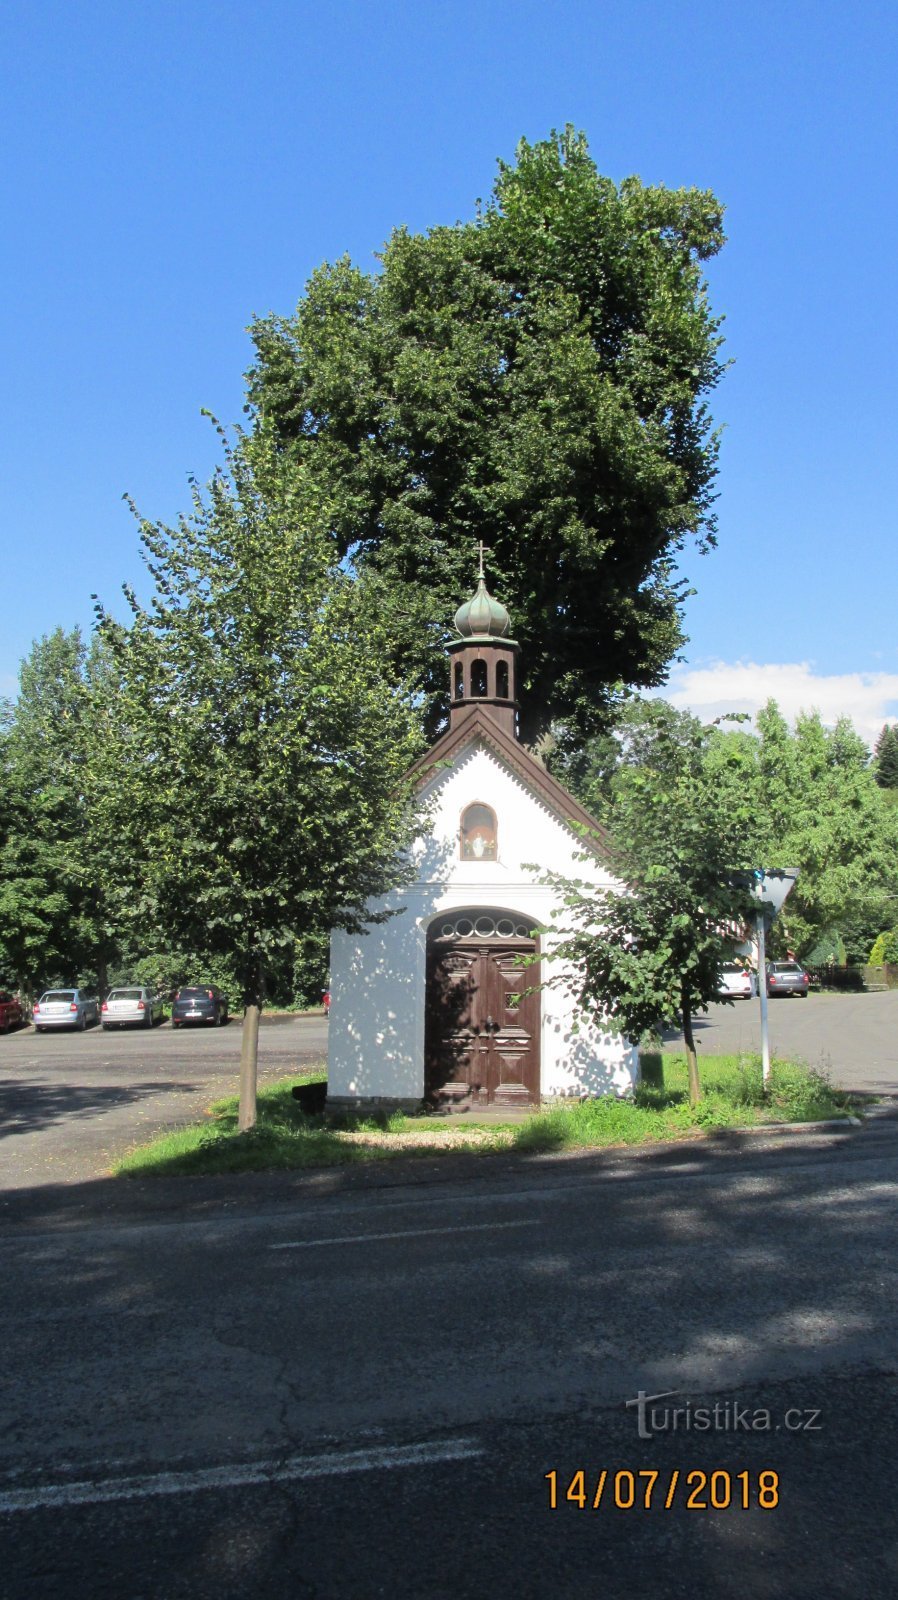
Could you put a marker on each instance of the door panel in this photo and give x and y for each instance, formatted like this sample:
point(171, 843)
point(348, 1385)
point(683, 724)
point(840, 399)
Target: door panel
point(482, 1032)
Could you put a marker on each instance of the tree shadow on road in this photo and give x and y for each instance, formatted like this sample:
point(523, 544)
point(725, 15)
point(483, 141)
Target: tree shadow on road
point(32, 1107)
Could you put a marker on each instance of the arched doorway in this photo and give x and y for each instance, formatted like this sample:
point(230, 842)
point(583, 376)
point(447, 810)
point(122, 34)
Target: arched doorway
point(481, 1035)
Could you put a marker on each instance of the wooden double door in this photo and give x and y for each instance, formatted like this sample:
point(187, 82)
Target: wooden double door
point(482, 1030)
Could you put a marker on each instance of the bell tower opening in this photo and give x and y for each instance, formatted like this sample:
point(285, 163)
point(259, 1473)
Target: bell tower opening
point(484, 660)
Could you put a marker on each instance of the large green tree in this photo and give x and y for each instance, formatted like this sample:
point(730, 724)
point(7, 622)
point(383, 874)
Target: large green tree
point(803, 797)
point(537, 378)
point(254, 779)
point(52, 924)
point(808, 798)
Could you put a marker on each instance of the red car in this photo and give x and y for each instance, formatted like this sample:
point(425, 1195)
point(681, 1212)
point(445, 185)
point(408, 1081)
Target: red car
point(11, 1013)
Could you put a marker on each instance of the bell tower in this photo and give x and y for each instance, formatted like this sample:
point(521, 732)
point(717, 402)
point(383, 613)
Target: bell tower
point(483, 660)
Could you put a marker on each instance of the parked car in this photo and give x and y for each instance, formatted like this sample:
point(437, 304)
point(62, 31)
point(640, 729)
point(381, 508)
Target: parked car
point(138, 1004)
point(65, 1008)
point(738, 980)
point(204, 1003)
point(787, 977)
point(11, 1013)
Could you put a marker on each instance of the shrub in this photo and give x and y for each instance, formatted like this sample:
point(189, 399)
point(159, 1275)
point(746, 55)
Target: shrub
point(884, 950)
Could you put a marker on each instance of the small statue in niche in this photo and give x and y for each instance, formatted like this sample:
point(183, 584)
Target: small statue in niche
point(478, 834)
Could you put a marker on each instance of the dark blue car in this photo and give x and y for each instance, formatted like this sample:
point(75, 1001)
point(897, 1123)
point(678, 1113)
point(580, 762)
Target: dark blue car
point(204, 1003)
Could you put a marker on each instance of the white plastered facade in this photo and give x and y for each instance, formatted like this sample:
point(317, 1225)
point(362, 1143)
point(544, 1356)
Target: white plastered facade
point(376, 1030)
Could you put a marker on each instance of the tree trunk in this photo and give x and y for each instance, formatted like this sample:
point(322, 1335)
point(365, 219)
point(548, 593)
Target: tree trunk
point(695, 1088)
point(249, 1052)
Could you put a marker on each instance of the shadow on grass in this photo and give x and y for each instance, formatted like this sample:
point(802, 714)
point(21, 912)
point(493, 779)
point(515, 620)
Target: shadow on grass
point(286, 1137)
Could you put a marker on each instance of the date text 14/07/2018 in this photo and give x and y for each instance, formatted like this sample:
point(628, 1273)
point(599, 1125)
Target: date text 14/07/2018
point(647, 1490)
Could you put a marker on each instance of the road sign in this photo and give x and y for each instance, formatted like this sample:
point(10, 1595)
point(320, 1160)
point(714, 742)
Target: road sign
point(771, 885)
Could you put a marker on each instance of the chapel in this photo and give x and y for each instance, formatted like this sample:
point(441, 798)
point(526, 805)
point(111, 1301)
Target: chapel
point(440, 1003)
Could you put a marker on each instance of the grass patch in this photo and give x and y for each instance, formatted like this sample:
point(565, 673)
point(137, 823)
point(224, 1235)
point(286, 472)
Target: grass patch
point(283, 1139)
point(286, 1139)
point(733, 1096)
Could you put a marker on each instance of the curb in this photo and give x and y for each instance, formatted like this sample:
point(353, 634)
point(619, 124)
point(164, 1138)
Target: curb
point(804, 1127)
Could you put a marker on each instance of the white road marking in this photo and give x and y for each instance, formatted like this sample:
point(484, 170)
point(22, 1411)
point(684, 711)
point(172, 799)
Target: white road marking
point(293, 1470)
point(404, 1233)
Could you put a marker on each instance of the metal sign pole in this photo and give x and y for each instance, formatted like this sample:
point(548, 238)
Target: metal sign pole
point(770, 886)
point(762, 992)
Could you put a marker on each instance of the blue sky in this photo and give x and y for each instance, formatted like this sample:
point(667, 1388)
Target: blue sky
point(170, 170)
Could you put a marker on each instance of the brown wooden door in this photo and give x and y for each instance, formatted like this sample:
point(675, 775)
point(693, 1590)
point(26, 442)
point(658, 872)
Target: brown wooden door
point(482, 1033)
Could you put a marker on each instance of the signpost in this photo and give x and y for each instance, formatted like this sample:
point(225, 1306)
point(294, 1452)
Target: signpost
point(770, 887)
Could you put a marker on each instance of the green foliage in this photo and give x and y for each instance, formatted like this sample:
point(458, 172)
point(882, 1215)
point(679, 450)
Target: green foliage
point(819, 809)
point(254, 780)
point(886, 758)
point(829, 951)
point(884, 950)
point(804, 798)
point(535, 377)
point(52, 921)
point(167, 970)
point(654, 951)
point(309, 969)
point(794, 1091)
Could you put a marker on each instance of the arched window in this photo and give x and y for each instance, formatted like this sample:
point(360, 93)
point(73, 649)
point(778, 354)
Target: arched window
point(502, 680)
point(478, 833)
point(478, 677)
point(459, 681)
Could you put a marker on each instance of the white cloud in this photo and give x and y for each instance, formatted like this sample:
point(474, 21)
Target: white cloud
point(868, 698)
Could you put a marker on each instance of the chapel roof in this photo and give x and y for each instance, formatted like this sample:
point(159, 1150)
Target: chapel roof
point(472, 725)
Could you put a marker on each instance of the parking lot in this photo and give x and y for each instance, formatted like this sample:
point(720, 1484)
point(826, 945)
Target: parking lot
point(70, 1103)
point(853, 1038)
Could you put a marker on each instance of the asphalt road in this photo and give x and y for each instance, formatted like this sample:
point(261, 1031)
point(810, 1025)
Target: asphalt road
point(289, 1388)
point(70, 1103)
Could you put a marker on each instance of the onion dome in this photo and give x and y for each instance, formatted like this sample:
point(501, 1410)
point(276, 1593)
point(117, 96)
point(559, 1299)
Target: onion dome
point(482, 617)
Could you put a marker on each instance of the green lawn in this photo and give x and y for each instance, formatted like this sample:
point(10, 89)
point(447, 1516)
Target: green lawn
point(286, 1139)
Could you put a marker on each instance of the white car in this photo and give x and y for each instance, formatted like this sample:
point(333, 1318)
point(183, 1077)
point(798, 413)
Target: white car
point(137, 1004)
point(737, 980)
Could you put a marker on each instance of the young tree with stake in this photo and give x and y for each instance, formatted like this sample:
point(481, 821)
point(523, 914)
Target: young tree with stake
point(653, 950)
point(253, 755)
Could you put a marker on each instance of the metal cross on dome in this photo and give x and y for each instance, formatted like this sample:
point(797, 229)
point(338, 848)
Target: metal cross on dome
point(483, 551)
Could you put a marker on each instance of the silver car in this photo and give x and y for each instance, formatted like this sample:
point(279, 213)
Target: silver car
point(787, 977)
point(138, 1004)
point(65, 1008)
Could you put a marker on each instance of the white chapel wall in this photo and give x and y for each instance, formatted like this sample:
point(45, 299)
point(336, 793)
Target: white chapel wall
point(376, 1047)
